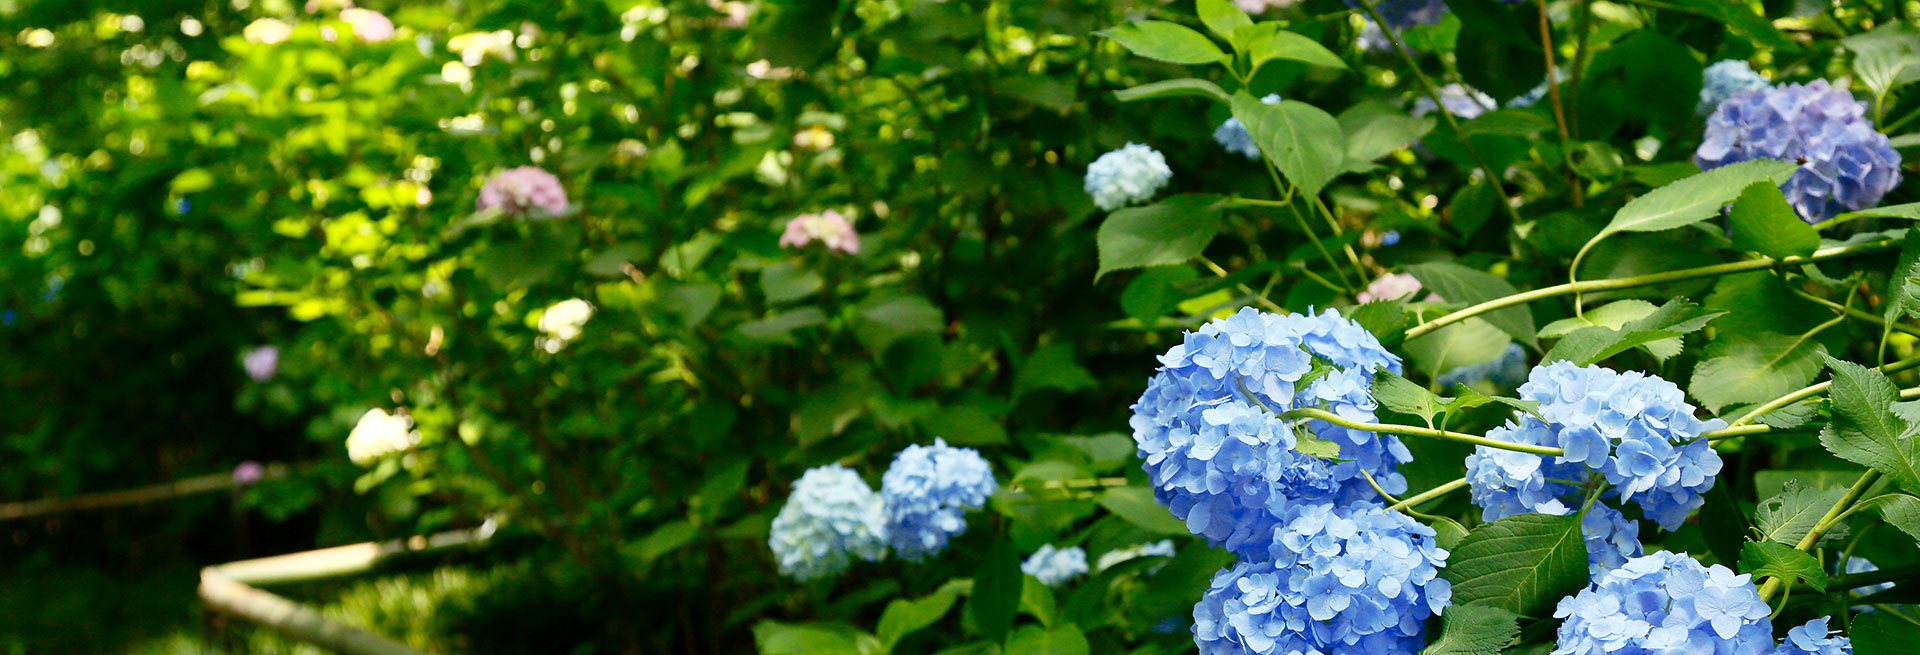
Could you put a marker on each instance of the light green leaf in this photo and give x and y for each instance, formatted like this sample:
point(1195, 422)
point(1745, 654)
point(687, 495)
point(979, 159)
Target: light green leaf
point(1763, 222)
point(1385, 319)
point(1616, 314)
point(1304, 142)
point(1136, 506)
point(1051, 367)
point(1456, 283)
point(788, 281)
point(1788, 516)
point(1170, 232)
point(1222, 16)
point(1266, 42)
point(1865, 430)
point(776, 638)
point(1474, 630)
point(779, 327)
point(1375, 129)
point(1065, 639)
point(1402, 395)
point(1037, 600)
point(1754, 367)
point(1174, 88)
point(1909, 211)
point(904, 616)
point(1169, 42)
point(1767, 558)
point(1468, 342)
point(1522, 563)
point(1695, 198)
point(1588, 345)
point(1900, 510)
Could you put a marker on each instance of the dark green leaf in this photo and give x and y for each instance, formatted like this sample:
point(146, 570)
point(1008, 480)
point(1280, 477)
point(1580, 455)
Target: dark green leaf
point(1788, 516)
point(1510, 122)
point(1876, 633)
point(1168, 42)
point(1170, 232)
point(1767, 558)
point(1402, 395)
point(1865, 430)
point(882, 322)
point(1375, 129)
point(904, 616)
point(1456, 283)
point(1695, 198)
point(1617, 314)
point(1763, 222)
point(1386, 319)
point(1474, 630)
point(996, 590)
point(1522, 563)
point(1754, 367)
point(1064, 639)
point(1051, 367)
point(1900, 510)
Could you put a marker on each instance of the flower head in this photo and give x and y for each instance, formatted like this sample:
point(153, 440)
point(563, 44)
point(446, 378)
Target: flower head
point(1126, 176)
point(1257, 6)
point(926, 492)
point(832, 517)
point(520, 190)
point(1814, 638)
point(261, 363)
point(1665, 603)
point(561, 323)
point(1393, 286)
point(1055, 566)
point(829, 227)
point(379, 434)
point(368, 25)
point(267, 31)
point(1234, 137)
point(248, 472)
point(1724, 79)
point(1847, 165)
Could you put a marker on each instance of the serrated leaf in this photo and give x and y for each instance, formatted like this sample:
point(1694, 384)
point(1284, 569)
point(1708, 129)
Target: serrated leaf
point(1588, 345)
point(1174, 88)
point(1469, 398)
point(1748, 367)
point(1900, 510)
point(1474, 630)
point(1169, 42)
point(1522, 563)
point(1385, 319)
point(1903, 285)
point(1693, 199)
point(1169, 232)
point(1616, 315)
point(905, 616)
point(1763, 222)
point(1865, 430)
point(1791, 416)
point(1304, 142)
point(1222, 16)
point(996, 590)
point(1457, 283)
point(1767, 558)
point(1788, 516)
point(1402, 395)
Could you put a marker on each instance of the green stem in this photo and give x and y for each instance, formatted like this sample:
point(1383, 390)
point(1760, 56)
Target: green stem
point(1288, 192)
point(1814, 390)
point(1430, 494)
point(1826, 523)
point(1217, 270)
point(1855, 313)
point(1647, 280)
point(1559, 108)
point(1336, 419)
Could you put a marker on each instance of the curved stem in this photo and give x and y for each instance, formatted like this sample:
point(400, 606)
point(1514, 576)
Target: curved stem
point(1649, 279)
point(1826, 523)
point(1336, 419)
point(1430, 494)
point(1813, 390)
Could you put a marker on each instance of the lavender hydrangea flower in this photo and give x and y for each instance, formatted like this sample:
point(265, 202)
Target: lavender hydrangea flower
point(830, 228)
point(1214, 450)
point(368, 25)
point(831, 518)
point(1847, 165)
point(1359, 579)
point(1814, 638)
point(1393, 286)
point(1053, 566)
point(926, 492)
point(1725, 78)
point(1403, 14)
point(520, 190)
point(1462, 102)
point(261, 363)
point(1665, 602)
point(1126, 176)
point(1234, 137)
point(1257, 6)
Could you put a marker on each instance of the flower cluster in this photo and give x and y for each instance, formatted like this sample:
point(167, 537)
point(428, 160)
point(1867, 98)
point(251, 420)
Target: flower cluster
point(1393, 286)
point(379, 434)
point(1725, 78)
point(1403, 14)
point(1507, 369)
point(832, 517)
point(562, 323)
point(1234, 137)
point(1354, 579)
point(830, 228)
point(1216, 453)
point(1462, 102)
point(927, 491)
point(1847, 164)
point(518, 191)
point(368, 25)
point(1126, 176)
point(261, 363)
point(1814, 638)
point(1054, 566)
point(1665, 602)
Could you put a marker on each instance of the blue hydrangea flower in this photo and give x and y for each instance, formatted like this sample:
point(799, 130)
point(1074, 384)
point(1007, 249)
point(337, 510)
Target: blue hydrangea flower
point(1847, 165)
point(1636, 430)
point(1404, 14)
point(1813, 638)
point(1053, 567)
point(1214, 450)
point(1507, 369)
point(1234, 137)
point(1390, 238)
point(1665, 603)
point(1611, 539)
point(1462, 102)
point(1126, 176)
point(926, 492)
point(1354, 579)
point(1725, 78)
point(832, 517)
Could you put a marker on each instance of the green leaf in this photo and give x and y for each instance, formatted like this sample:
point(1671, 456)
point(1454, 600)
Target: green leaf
point(1051, 367)
point(1136, 506)
point(903, 616)
point(1064, 639)
point(1170, 232)
point(1474, 630)
point(1522, 563)
point(1402, 395)
point(1468, 342)
point(779, 327)
point(1693, 199)
point(1456, 283)
point(1468, 398)
point(1036, 599)
point(788, 281)
point(1754, 367)
point(1222, 16)
point(1900, 510)
point(1616, 314)
point(1509, 122)
point(1865, 430)
point(1375, 129)
point(1156, 291)
point(1903, 285)
point(1875, 633)
point(1386, 319)
point(882, 322)
point(1909, 211)
point(192, 180)
point(1739, 18)
point(1169, 42)
point(1588, 345)
point(1174, 88)
point(1763, 222)
point(776, 638)
point(1886, 58)
point(1304, 142)
point(966, 424)
point(996, 590)
point(1767, 558)
point(1266, 42)
point(1788, 516)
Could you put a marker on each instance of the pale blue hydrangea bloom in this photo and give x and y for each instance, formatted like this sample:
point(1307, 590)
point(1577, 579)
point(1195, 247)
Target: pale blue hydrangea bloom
point(1847, 165)
point(1462, 102)
point(1507, 369)
point(1665, 603)
point(1054, 566)
point(1234, 137)
point(1814, 638)
point(1611, 539)
point(1725, 78)
point(926, 492)
point(1403, 14)
point(1213, 449)
point(1357, 579)
point(832, 517)
point(1504, 483)
point(1636, 430)
point(1534, 95)
point(1126, 176)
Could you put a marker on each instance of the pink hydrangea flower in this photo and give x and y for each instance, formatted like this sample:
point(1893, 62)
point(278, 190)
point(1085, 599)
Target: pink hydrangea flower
point(1393, 286)
point(827, 227)
point(248, 472)
point(261, 363)
point(517, 190)
point(368, 25)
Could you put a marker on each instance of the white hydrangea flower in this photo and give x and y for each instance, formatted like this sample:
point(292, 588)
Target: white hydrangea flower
point(267, 31)
point(379, 434)
point(561, 323)
point(1126, 176)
